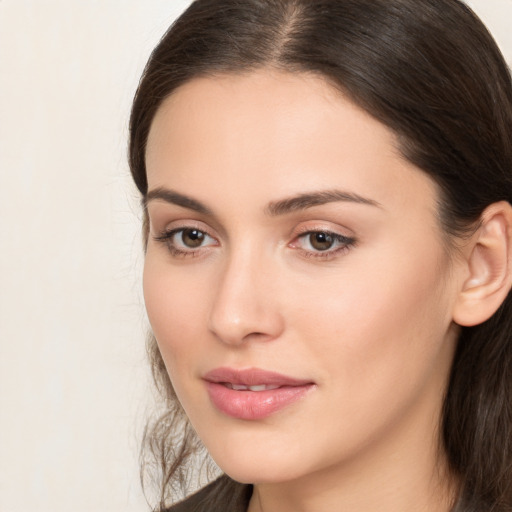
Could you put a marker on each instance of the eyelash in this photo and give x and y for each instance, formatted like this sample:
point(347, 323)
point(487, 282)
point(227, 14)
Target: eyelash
point(167, 238)
point(345, 243)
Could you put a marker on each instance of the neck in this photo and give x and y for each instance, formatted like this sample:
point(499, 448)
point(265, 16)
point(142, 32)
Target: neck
point(351, 496)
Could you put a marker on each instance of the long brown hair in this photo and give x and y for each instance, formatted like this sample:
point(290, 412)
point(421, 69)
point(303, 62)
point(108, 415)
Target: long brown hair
point(430, 71)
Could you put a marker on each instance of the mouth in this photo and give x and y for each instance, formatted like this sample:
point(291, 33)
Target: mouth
point(241, 387)
point(253, 394)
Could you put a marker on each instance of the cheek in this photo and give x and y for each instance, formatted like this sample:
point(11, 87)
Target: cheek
point(381, 326)
point(176, 306)
point(379, 347)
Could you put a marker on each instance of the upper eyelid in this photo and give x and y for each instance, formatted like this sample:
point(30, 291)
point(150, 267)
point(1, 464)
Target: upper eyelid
point(177, 225)
point(322, 227)
point(161, 222)
point(317, 230)
point(168, 233)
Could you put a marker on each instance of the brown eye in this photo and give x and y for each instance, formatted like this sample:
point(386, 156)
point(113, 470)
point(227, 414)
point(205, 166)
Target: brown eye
point(182, 242)
point(321, 241)
point(192, 238)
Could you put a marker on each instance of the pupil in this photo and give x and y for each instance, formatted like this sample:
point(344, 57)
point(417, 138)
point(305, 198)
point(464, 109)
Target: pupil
point(192, 238)
point(321, 241)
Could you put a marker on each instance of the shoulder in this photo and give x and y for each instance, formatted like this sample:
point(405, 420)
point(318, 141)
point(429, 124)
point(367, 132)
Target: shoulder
point(222, 495)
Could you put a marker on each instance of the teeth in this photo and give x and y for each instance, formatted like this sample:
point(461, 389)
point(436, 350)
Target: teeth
point(258, 388)
point(241, 387)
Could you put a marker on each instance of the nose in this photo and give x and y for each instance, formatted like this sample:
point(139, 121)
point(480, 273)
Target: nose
point(245, 305)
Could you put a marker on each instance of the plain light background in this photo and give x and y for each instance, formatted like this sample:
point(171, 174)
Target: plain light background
point(73, 378)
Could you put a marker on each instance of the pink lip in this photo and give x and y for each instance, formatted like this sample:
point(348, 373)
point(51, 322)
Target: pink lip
point(253, 405)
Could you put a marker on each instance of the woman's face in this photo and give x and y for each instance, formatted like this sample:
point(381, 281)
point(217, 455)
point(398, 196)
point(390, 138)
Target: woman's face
point(296, 278)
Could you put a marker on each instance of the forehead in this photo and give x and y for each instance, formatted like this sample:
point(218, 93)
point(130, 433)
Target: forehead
point(273, 131)
point(266, 103)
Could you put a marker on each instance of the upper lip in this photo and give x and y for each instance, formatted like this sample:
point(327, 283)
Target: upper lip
point(252, 377)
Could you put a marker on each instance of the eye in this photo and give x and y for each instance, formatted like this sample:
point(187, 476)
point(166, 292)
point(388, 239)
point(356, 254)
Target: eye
point(322, 243)
point(186, 241)
point(190, 238)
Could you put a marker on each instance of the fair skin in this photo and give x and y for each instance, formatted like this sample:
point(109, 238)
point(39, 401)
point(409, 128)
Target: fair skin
point(355, 294)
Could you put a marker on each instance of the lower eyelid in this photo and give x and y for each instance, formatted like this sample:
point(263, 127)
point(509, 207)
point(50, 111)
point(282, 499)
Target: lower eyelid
point(342, 245)
point(326, 255)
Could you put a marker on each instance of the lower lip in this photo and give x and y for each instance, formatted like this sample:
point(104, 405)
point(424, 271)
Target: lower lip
point(254, 405)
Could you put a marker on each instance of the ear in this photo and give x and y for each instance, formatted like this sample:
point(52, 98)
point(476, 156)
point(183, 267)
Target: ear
point(489, 267)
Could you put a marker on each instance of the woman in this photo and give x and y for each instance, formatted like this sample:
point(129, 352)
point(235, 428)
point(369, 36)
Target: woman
point(328, 237)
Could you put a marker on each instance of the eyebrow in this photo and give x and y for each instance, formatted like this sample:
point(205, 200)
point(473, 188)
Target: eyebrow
point(172, 197)
point(309, 200)
point(274, 208)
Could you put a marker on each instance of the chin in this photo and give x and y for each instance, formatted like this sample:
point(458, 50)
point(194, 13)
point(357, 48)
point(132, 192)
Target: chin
point(260, 475)
point(251, 468)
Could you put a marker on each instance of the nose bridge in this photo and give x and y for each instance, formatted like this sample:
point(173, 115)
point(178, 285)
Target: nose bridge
point(244, 305)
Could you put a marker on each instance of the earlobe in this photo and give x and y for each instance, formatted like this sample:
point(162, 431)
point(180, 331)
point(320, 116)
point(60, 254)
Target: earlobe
point(489, 266)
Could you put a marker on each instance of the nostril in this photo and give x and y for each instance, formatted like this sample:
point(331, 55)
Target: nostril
point(257, 336)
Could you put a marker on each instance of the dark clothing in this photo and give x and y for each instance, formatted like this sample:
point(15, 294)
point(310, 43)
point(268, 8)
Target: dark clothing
point(222, 495)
